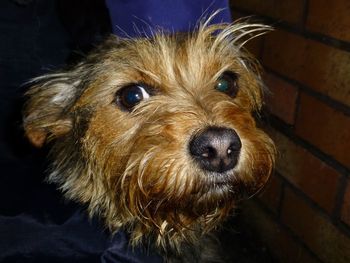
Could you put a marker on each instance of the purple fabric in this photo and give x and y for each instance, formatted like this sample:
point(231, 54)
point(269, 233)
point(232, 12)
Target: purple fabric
point(170, 15)
point(28, 238)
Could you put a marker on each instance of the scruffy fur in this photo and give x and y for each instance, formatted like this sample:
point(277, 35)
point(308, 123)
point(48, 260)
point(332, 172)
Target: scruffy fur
point(133, 169)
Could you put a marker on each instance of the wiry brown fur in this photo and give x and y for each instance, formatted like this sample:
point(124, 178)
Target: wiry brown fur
point(134, 168)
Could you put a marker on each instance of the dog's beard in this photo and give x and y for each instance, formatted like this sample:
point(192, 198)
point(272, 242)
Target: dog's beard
point(164, 191)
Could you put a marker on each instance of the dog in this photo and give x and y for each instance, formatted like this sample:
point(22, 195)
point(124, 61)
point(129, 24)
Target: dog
point(157, 135)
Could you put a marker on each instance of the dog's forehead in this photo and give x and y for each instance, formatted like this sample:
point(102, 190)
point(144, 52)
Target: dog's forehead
point(178, 59)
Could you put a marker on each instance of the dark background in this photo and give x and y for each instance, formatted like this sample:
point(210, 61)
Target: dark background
point(36, 223)
point(36, 37)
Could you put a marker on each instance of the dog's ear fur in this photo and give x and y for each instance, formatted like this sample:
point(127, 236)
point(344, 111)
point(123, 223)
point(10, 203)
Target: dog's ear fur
point(49, 100)
point(47, 113)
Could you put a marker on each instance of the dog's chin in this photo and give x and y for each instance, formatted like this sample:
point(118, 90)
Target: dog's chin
point(216, 190)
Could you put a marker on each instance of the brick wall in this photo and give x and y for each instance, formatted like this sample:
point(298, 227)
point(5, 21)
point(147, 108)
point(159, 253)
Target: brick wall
point(304, 213)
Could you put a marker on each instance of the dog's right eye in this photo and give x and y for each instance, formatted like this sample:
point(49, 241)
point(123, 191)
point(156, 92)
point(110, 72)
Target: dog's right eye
point(129, 96)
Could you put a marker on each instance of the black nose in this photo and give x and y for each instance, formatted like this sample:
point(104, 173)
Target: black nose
point(216, 149)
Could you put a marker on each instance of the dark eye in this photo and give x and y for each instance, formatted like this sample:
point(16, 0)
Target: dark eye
point(131, 95)
point(227, 83)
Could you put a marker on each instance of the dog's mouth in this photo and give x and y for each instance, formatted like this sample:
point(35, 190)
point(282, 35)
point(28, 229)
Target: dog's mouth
point(228, 185)
point(219, 183)
point(220, 179)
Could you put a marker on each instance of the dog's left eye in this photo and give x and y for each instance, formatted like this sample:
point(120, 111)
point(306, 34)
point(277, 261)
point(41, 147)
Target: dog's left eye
point(129, 96)
point(227, 83)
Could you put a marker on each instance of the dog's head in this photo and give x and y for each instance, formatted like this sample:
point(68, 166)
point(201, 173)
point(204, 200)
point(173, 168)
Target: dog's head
point(157, 134)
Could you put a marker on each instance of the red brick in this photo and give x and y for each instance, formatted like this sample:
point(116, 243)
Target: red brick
point(345, 216)
point(271, 194)
point(318, 233)
point(288, 10)
point(254, 46)
point(282, 100)
point(330, 18)
point(305, 171)
point(318, 66)
point(325, 128)
point(277, 239)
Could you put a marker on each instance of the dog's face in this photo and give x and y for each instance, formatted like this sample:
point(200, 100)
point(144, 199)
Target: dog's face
point(156, 135)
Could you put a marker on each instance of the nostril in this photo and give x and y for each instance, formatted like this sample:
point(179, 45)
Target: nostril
point(230, 151)
point(208, 152)
point(234, 148)
point(216, 149)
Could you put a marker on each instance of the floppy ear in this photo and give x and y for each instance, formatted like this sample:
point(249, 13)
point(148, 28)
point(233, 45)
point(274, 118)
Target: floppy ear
point(46, 113)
